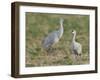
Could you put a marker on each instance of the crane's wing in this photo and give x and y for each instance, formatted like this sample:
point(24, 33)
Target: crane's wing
point(78, 47)
point(50, 39)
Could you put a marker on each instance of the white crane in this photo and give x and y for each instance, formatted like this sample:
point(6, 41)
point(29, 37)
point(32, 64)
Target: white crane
point(53, 37)
point(76, 47)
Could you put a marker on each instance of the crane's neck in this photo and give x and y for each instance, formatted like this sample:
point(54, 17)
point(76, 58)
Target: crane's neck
point(60, 31)
point(74, 36)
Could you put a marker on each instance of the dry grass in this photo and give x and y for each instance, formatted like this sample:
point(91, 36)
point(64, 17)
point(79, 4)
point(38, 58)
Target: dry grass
point(40, 25)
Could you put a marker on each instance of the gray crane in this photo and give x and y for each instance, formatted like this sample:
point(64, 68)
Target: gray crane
point(53, 37)
point(76, 47)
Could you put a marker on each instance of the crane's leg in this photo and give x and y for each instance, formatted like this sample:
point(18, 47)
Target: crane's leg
point(79, 59)
point(74, 59)
point(49, 50)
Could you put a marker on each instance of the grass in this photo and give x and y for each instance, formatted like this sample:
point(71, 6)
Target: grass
point(39, 25)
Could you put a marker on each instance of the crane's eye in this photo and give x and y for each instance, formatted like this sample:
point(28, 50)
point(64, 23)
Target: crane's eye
point(72, 31)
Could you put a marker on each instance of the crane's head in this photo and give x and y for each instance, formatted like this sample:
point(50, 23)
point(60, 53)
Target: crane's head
point(73, 31)
point(61, 20)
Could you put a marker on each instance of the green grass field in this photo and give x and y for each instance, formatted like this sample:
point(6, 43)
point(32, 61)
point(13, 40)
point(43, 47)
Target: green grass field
point(39, 25)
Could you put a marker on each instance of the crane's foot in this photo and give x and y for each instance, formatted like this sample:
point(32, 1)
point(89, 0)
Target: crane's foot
point(51, 50)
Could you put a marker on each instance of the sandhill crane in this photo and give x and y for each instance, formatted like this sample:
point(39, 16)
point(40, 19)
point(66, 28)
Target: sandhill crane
point(53, 37)
point(76, 47)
